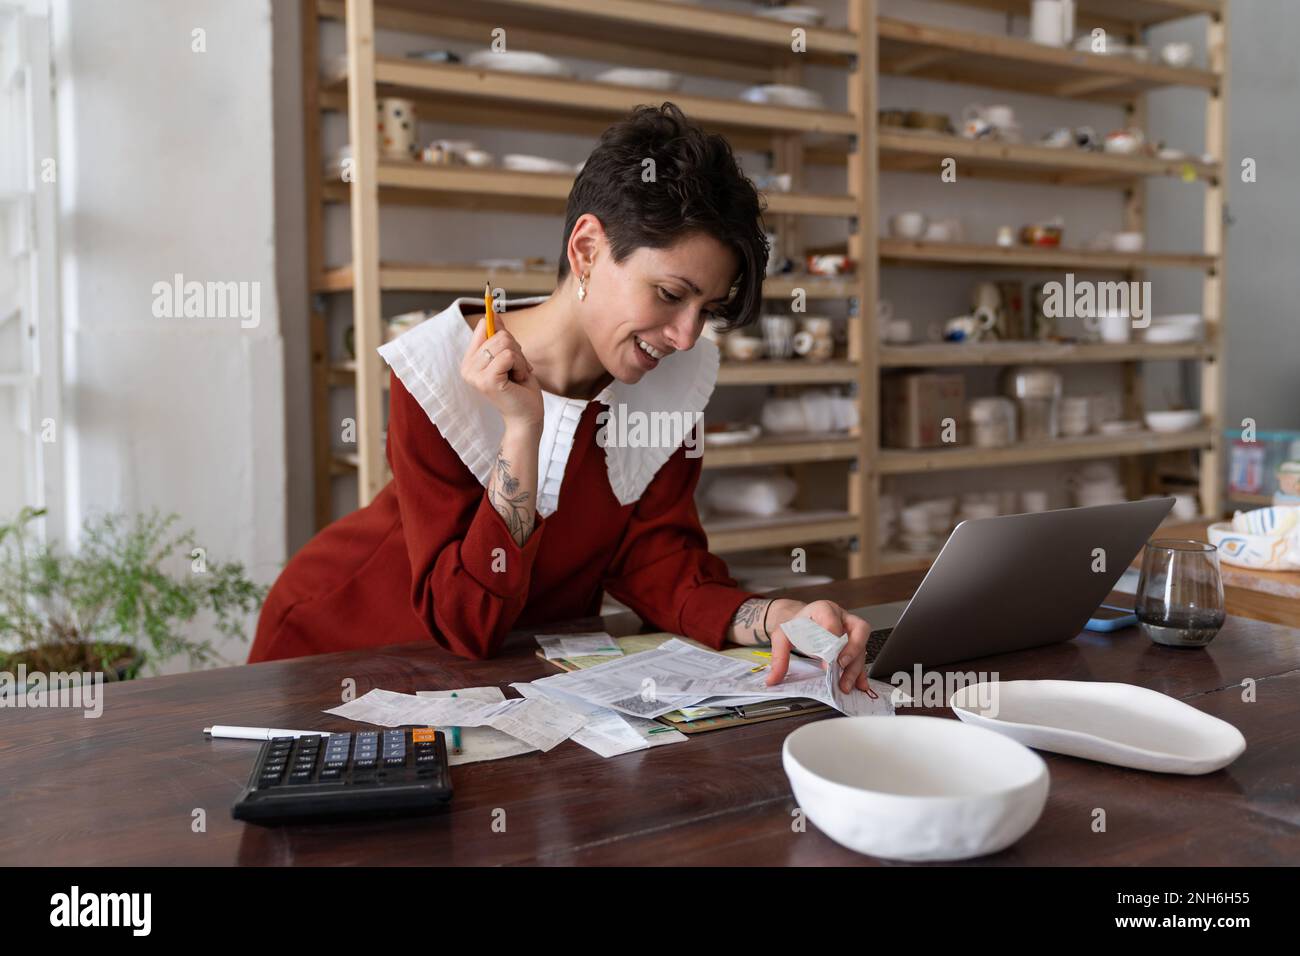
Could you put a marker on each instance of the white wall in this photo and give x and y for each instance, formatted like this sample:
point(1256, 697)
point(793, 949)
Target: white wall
point(166, 167)
point(1262, 313)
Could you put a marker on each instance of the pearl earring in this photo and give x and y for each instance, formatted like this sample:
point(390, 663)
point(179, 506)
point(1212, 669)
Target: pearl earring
point(582, 287)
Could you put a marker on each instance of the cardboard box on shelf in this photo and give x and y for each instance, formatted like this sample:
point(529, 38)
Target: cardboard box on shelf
point(915, 406)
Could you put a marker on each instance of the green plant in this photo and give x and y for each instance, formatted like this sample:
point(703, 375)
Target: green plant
point(111, 606)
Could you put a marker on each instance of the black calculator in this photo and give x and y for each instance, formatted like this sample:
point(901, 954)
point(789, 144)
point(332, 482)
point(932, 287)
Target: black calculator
point(374, 773)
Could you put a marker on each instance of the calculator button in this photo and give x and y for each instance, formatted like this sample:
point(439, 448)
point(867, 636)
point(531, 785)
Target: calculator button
point(300, 776)
point(331, 773)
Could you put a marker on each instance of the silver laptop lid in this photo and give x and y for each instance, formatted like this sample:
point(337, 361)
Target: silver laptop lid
point(1017, 581)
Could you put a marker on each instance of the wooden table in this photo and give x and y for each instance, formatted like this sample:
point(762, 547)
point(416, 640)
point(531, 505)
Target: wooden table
point(1262, 595)
point(123, 788)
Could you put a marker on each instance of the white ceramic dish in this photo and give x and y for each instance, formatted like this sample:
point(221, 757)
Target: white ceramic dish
point(1267, 539)
point(645, 79)
point(1167, 334)
point(522, 163)
point(736, 436)
point(915, 788)
point(518, 61)
point(1173, 421)
point(1181, 327)
point(808, 16)
point(1121, 724)
point(780, 94)
point(1122, 427)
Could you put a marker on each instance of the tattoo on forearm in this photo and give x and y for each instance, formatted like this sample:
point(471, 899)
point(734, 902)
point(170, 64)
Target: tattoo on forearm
point(511, 503)
point(749, 619)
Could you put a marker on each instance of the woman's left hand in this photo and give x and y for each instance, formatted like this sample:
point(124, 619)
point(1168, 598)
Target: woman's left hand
point(853, 656)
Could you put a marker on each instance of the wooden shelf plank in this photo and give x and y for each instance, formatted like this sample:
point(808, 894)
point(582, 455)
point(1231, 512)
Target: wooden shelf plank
point(918, 151)
point(689, 32)
point(456, 82)
point(903, 462)
point(423, 184)
point(768, 372)
point(965, 355)
point(1036, 257)
point(731, 534)
point(468, 279)
point(781, 449)
point(1000, 62)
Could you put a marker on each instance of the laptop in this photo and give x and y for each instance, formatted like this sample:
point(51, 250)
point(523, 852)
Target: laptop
point(1009, 583)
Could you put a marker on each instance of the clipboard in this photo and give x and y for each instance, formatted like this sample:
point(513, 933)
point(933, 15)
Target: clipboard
point(775, 709)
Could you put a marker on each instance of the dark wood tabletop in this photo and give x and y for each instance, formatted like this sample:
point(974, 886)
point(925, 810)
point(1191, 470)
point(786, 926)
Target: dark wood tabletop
point(125, 788)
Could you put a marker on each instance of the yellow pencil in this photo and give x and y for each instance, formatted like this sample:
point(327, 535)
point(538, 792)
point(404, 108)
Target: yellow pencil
point(487, 306)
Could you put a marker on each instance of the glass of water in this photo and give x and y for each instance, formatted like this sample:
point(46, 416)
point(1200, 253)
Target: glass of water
point(1180, 593)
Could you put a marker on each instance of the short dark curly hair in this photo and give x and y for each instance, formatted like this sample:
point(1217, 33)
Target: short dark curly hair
point(698, 187)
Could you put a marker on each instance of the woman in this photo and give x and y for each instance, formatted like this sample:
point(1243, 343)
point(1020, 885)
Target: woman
point(510, 505)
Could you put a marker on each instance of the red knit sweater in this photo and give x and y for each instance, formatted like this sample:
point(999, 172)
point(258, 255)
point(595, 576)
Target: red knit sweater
point(430, 558)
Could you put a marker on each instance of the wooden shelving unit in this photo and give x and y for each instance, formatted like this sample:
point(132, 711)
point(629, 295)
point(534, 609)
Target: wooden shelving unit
point(700, 41)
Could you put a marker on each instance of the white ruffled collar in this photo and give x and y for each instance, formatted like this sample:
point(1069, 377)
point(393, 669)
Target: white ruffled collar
point(427, 361)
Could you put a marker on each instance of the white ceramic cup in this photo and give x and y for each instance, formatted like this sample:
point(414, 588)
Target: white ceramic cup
point(898, 332)
point(908, 225)
point(1051, 22)
point(778, 333)
point(1113, 326)
point(397, 121)
point(999, 115)
point(1034, 500)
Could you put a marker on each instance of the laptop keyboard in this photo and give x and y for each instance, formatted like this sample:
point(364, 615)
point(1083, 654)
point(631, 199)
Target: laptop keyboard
point(876, 641)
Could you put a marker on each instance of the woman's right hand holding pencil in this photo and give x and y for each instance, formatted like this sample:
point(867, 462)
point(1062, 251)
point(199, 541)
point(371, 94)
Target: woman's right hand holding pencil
point(497, 369)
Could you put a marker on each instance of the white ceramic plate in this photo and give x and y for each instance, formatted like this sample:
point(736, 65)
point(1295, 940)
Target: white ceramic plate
point(736, 436)
point(522, 163)
point(914, 788)
point(780, 94)
point(646, 79)
point(808, 16)
point(518, 61)
point(1121, 724)
point(1119, 427)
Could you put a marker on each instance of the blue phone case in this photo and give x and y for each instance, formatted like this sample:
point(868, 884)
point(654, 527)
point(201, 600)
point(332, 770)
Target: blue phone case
point(1111, 624)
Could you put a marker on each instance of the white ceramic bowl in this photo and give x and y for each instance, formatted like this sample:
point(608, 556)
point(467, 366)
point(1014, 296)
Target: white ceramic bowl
point(1128, 241)
point(1173, 421)
point(644, 78)
point(915, 788)
point(1165, 334)
point(518, 61)
point(781, 94)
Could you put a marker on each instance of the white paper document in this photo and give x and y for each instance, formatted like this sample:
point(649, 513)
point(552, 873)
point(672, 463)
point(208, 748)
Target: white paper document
point(536, 722)
point(632, 684)
point(815, 641)
point(479, 743)
point(607, 732)
point(596, 644)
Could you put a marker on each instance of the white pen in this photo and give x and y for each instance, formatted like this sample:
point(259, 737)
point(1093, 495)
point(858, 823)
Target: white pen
point(258, 733)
